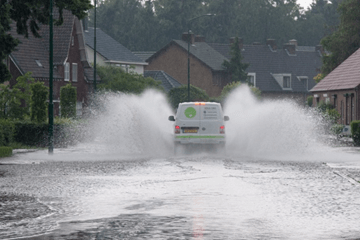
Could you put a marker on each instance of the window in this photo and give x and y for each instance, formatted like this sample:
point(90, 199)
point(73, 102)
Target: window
point(286, 82)
point(74, 72)
point(67, 71)
point(251, 79)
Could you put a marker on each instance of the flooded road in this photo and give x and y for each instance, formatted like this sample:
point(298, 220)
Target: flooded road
point(189, 197)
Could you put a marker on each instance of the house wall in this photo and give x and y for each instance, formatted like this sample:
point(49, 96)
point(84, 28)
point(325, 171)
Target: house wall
point(346, 102)
point(173, 60)
point(100, 60)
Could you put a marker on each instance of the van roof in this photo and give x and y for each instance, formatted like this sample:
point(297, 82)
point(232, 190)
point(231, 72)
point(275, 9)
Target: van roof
point(193, 103)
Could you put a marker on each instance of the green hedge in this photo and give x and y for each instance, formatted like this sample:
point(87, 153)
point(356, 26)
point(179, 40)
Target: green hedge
point(7, 129)
point(5, 152)
point(355, 132)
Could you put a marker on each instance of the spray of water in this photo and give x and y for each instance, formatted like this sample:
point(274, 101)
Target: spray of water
point(127, 124)
point(280, 130)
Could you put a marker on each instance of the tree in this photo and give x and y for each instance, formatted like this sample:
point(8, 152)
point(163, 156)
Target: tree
point(15, 101)
point(38, 102)
point(180, 94)
point(29, 14)
point(235, 67)
point(346, 39)
point(68, 101)
point(116, 80)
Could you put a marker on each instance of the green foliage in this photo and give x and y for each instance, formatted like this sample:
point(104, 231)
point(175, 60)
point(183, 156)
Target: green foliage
point(310, 101)
point(116, 80)
point(355, 132)
point(180, 94)
point(235, 67)
point(5, 152)
point(27, 14)
point(346, 39)
point(15, 101)
point(329, 113)
point(7, 129)
point(38, 102)
point(337, 129)
point(68, 101)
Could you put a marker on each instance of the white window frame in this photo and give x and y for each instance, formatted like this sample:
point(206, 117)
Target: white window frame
point(254, 76)
point(283, 82)
point(280, 80)
point(67, 71)
point(74, 72)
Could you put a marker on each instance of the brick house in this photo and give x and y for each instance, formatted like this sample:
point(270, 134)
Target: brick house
point(70, 60)
point(341, 89)
point(286, 72)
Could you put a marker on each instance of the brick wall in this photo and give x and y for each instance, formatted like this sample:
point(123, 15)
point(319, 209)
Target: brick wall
point(346, 102)
point(173, 60)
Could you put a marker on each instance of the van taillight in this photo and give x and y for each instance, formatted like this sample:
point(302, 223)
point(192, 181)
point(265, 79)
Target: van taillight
point(177, 129)
point(222, 129)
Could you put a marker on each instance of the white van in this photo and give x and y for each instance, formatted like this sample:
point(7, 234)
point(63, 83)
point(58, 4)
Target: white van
point(199, 123)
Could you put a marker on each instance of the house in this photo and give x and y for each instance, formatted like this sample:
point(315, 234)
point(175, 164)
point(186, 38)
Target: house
point(167, 81)
point(286, 72)
point(111, 52)
point(69, 59)
point(340, 88)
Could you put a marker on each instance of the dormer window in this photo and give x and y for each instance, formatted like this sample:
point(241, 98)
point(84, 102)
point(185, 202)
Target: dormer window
point(39, 63)
point(286, 82)
point(251, 79)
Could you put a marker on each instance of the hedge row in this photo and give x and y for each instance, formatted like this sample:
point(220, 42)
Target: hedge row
point(5, 152)
point(355, 131)
point(35, 134)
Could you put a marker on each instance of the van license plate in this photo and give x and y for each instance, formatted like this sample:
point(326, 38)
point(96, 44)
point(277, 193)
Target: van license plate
point(190, 130)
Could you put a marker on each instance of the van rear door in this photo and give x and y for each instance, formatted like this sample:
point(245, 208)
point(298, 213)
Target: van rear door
point(189, 116)
point(210, 119)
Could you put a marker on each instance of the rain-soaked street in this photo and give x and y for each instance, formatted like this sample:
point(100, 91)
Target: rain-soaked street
point(189, 197)
point(281, 178)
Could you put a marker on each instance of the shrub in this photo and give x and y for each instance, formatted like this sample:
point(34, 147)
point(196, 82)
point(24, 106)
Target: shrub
point(310, 101)
point(355, 132)
point(68, 101)
point(337, 129)
point(38, 102)
point(5, 152)
point(180, 94)
point(7, 129)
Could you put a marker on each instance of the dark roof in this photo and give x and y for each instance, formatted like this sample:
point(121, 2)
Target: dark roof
point(167, 81)
point(345, 76)
point(109, 48)
point(31, 49)
point(266, 62)
point(144, 55)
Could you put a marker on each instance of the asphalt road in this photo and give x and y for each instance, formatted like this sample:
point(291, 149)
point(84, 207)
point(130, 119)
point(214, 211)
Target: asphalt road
point(187, 197)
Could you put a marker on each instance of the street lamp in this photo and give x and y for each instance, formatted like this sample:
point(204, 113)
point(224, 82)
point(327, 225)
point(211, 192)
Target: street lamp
point(188, 51)
point(51, 105)
point(95, 46)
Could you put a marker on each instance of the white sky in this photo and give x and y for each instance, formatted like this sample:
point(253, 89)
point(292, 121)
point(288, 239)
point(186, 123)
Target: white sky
point(304, 3)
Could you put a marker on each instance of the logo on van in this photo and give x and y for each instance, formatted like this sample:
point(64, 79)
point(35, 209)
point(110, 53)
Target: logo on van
point(190, 112)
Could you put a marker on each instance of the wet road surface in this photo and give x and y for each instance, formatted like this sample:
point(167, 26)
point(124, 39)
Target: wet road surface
point(190, 197)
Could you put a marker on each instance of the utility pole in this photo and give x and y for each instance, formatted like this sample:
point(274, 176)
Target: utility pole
point(95, 46)
point(51, 104)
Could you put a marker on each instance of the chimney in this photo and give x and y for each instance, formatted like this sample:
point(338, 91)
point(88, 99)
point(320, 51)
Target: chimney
point(199, 38)
point(271, 43)
point(241, 42)
point(294, 42)
point(185, 37)
point(319, 48)
point(290, 48)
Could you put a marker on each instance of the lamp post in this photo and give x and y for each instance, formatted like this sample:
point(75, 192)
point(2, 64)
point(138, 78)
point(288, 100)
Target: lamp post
point(188, 50)
point(51, 104)
point(95, 46)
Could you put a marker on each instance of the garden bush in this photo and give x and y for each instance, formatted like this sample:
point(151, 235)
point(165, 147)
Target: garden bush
point(68, 101)
point(6, 132)
point(180, 94)
point(355, 132)
point(5, 152)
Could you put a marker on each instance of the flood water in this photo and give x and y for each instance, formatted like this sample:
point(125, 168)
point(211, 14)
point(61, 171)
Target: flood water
point(279, 179)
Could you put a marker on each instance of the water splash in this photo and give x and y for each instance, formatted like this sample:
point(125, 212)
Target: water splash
point(129, 124)
point(277, 129)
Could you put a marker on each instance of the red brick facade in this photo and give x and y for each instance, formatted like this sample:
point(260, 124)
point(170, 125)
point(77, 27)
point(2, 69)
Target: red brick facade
point(173, 60)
